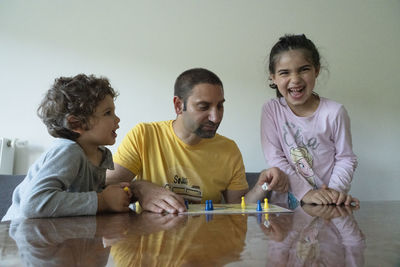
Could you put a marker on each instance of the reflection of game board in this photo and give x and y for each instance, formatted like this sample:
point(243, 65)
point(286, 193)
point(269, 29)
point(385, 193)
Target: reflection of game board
point(232, 209)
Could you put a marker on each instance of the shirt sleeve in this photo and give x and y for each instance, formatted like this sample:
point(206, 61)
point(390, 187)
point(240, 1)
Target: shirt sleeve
point(238, 181)
point(130, 149)
point(345, 159)
point(275, 156)
point(45, 193)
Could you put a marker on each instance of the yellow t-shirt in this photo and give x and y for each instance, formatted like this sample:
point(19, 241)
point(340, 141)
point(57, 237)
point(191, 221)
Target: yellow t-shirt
point(198, 172)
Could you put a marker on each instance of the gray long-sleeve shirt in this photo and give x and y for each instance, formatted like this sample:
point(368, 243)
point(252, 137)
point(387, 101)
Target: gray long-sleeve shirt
point(62, 182)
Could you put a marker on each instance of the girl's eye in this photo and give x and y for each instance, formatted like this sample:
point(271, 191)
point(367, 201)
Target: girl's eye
point(305, 69)
point(108, 113)
point(283, 73)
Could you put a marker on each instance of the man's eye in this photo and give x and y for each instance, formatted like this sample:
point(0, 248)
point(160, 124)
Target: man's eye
point(203, 107)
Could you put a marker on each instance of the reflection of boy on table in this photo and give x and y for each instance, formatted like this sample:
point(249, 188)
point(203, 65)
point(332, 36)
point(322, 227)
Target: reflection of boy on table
point(331, 238)
point(74, 241)
point(192, 243)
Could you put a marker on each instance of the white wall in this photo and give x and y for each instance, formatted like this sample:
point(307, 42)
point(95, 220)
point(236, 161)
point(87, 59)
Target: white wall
point(142, 46)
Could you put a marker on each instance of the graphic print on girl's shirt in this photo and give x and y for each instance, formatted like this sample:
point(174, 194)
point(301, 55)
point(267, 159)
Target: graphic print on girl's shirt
point(303, 161)
point(301, 157)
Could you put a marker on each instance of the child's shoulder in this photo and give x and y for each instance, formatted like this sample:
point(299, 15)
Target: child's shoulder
point(275, 103)
point(66, 148)
point(331, 106)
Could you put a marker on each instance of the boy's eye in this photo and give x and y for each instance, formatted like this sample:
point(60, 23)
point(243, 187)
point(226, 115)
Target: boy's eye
point(107, 113)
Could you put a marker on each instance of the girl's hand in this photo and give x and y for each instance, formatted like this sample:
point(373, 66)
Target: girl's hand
point(340, 198)
point(318, 196)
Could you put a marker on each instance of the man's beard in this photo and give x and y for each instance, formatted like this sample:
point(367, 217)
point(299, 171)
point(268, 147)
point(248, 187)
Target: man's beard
point(200, 132)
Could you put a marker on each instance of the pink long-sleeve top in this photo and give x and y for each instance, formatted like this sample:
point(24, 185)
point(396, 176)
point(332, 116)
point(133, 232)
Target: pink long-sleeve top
point(312, 150)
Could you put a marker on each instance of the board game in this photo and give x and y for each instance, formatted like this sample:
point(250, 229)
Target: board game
point(233, 209)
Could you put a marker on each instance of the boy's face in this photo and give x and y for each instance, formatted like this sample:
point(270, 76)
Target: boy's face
point(102, 125)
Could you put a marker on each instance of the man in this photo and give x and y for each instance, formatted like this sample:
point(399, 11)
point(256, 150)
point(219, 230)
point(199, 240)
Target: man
point(185, 158)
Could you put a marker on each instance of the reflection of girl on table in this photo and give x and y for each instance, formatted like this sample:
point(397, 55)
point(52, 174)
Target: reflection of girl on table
point(317, 241)
point(305, 135)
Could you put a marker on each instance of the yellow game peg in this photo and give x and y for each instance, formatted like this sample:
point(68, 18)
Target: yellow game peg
point(266, 203)
point(243, 204)
point(126, 189)
point(266, 221)
point(138, 208)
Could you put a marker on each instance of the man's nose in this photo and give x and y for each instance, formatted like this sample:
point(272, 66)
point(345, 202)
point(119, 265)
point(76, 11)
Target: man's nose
point(215, 115)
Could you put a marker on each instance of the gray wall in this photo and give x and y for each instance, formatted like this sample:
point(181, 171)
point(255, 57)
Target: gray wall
point(141, 46)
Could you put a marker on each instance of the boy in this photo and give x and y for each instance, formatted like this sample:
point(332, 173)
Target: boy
point(68, 179)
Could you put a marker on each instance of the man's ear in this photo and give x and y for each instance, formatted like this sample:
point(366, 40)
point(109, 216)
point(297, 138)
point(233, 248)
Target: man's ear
point(74, 124)
point(178, 105)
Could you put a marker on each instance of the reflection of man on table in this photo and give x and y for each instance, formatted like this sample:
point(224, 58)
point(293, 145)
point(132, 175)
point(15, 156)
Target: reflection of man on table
point(174, 242)
point(185, 158)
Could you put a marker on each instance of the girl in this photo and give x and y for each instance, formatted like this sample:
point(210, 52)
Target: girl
point(305, 135)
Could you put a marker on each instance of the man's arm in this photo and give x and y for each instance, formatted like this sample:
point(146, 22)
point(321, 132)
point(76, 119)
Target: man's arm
point(151, 197)
point(118, 175)
point(234, 196)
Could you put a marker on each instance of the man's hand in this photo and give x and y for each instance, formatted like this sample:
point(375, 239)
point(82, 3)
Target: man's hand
point(157, 199)
point(275, 178)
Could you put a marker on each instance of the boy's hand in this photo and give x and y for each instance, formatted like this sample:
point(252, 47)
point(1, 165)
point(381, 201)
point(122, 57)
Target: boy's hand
point(126, 187)
point(113, 198)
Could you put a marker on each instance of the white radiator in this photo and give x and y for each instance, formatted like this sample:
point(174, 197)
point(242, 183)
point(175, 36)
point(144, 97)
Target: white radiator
point(7, 150)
